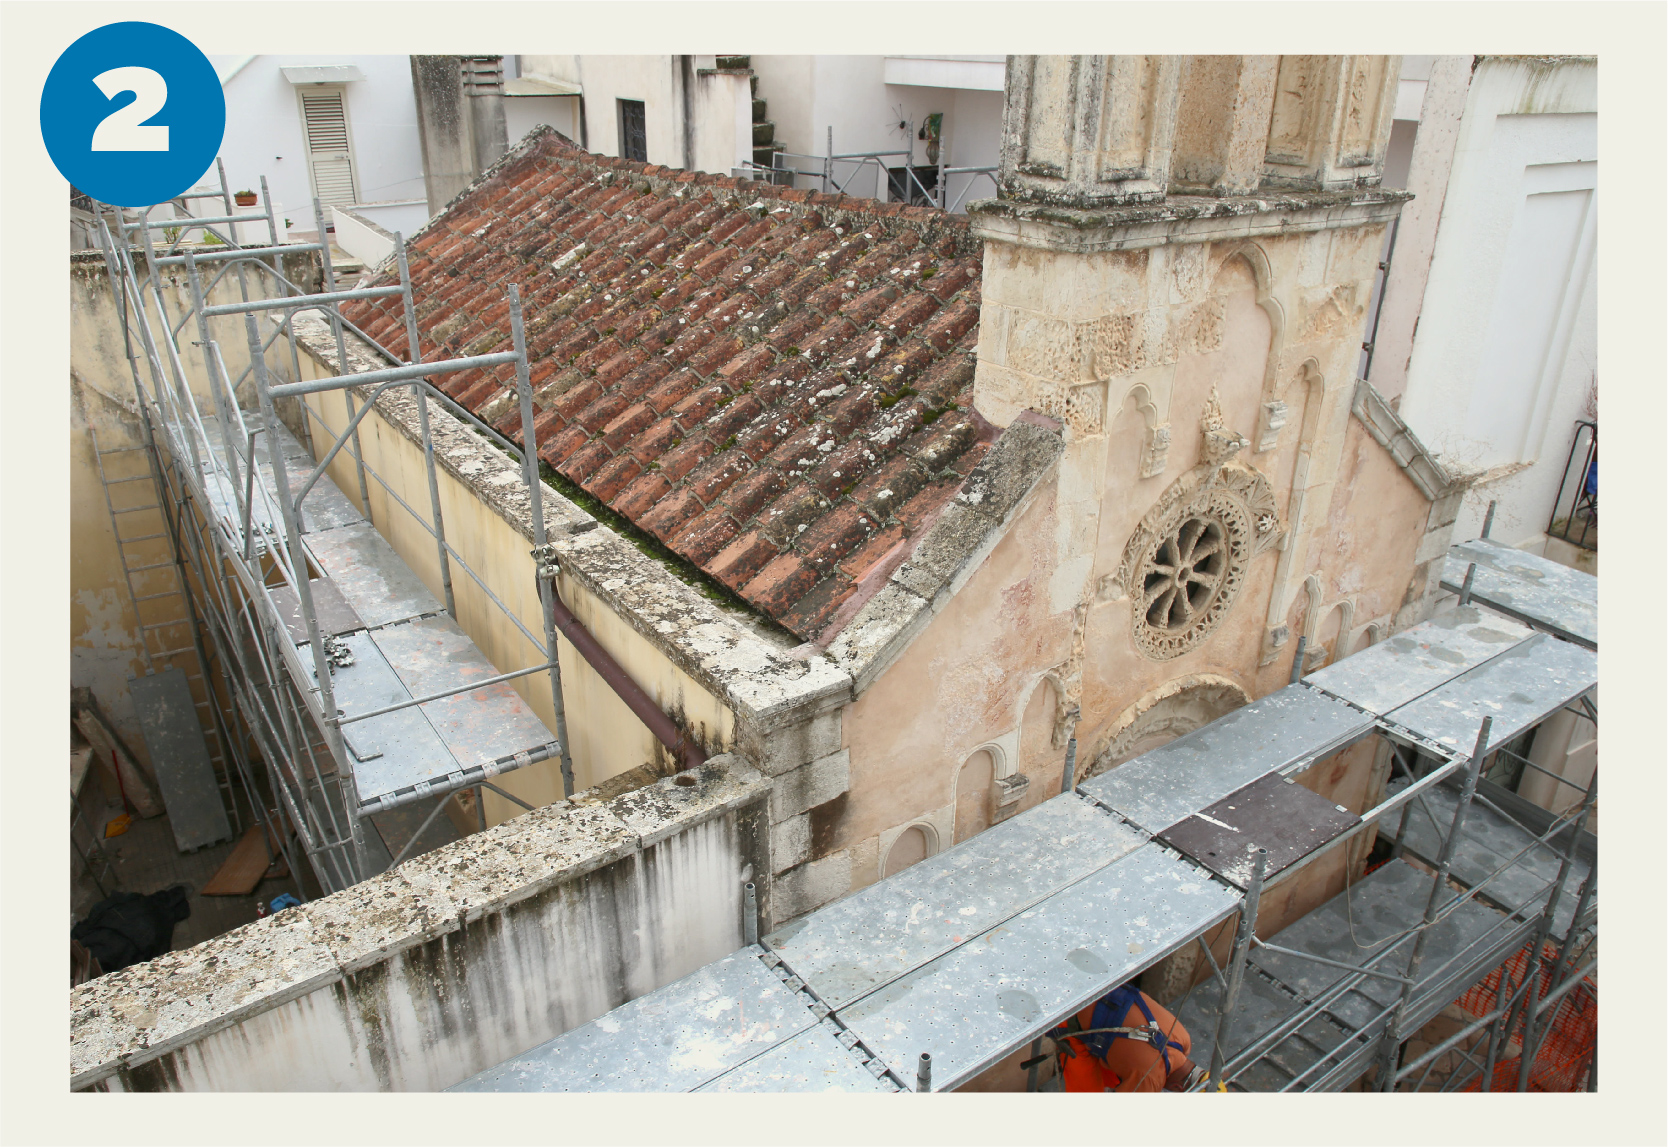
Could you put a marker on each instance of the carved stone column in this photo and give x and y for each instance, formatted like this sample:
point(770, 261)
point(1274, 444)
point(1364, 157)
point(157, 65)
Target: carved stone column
point(1222, 123)
point(1086, 131)
point(1331, 121)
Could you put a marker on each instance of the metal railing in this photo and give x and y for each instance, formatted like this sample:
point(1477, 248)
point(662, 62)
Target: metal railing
point(1574, 516)
point(865, 174)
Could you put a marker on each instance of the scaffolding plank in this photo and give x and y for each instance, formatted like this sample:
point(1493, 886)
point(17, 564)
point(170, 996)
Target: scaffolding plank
point(1377, 913)
point(395, 750)
point(334, 613)
point(1528, 587)
point(1280, 733)
point(1410, 664)
point(1490, 843)
point(325, 506)
point(813, 1060)
point(179, 757)
point(675, 1038)
point(1260, 1007)
point(370, 575)
point(1002, 988)
point(432, 654)
point(1271, 812)
point(872, 937)
point(1528, 567)
point(1519, 688)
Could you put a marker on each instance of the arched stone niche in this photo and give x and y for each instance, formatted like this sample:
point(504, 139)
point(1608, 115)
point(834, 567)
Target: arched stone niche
point(911, 846)
point(1159, 717)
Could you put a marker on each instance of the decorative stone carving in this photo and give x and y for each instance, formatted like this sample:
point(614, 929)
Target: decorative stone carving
point(1045, 347)
point(1174, 709)
point(1088, 131)
point(1186, 561)
point(1006, 793)
point(1086, 408)
point(1270, 419)
point(1156, 454)
point(1331, 119)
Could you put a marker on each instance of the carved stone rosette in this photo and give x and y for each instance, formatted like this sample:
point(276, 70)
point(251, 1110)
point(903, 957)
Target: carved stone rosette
point(1186, 561)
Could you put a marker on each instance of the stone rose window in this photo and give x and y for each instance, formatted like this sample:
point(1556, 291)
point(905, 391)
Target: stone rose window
point(1185, 575)
point(1191, 573)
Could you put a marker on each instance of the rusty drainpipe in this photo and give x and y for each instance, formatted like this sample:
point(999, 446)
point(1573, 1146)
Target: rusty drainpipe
point(682, 747)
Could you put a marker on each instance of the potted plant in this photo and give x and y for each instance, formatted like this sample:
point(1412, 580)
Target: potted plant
point(245, 198)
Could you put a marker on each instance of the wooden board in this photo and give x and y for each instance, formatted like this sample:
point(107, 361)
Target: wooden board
point(246, 867)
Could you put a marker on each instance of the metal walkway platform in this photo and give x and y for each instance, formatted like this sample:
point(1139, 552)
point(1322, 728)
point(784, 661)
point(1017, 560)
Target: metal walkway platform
point(1528, 587)
point(401, 643)
point(973, 953)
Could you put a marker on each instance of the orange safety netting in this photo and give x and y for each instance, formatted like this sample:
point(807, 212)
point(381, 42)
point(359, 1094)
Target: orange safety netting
point(1565, 1052)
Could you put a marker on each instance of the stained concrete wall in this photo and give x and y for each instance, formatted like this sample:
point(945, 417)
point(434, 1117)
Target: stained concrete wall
point(605, 737)
point(418, 978)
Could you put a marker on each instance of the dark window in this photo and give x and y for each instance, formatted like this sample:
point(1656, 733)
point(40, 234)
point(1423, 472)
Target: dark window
point(634, 138)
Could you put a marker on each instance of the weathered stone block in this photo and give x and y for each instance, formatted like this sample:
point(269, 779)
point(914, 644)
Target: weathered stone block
point(1433, 546)
point(1007, 792)
point(1445, 510)
point(148, 1008)
point(785, 749)
point(790, 842)
point(811, 785)
point(810, 886)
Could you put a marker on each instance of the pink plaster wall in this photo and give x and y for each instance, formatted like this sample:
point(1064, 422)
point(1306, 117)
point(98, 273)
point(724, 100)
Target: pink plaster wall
point(966, 680)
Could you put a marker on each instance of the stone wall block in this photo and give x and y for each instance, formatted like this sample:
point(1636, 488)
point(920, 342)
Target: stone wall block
point(783, 750)
point(790, 842)
point(1445, 510)
point(809, 786)
point(810, 886)
point(1432, 546)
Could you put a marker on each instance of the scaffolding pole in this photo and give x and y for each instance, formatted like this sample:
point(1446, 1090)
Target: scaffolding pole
point(236, 541)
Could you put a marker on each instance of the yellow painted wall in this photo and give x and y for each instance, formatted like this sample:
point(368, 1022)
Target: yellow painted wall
point(605, 737)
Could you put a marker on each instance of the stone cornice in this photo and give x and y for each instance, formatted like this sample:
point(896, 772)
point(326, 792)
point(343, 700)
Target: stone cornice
point(1180, 219)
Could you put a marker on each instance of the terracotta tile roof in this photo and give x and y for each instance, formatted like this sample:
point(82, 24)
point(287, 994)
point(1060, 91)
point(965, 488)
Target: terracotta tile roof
point(775, 383)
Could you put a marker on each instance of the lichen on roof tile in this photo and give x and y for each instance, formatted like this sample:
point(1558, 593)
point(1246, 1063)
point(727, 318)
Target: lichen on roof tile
point(777, 384)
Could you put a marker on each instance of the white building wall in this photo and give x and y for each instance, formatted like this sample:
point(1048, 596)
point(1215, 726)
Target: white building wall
point(264, 133)
point(808, 95)
point(1506, 346)
point(718, 107)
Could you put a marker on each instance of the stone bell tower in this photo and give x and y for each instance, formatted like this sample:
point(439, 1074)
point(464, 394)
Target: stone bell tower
point(1177, 269)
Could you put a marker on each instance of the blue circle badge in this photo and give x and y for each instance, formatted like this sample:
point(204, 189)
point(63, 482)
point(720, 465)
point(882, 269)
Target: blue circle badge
point(133, 114)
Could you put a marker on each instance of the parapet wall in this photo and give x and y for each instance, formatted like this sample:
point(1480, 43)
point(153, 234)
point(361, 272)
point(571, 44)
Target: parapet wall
point(454, 961)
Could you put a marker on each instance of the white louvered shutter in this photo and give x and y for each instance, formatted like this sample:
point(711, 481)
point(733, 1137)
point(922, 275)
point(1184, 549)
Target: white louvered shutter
point(327, 147)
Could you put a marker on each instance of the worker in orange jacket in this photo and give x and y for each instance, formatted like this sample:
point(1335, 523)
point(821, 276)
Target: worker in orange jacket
point(1125, 1041)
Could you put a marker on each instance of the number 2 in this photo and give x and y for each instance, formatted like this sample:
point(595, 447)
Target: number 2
point(125, 129)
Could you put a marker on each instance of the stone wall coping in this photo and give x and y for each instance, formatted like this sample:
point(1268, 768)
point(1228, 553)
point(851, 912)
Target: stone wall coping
point(958, 541)
point(1180, 219)
point(136, 1014)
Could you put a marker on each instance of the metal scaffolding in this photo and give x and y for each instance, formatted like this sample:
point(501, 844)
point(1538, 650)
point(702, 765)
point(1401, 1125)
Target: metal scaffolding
point(929, 977)
point(305, 623)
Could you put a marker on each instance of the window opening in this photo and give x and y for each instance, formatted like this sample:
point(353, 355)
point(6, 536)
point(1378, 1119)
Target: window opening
point(634, 136)
point(329, 155)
